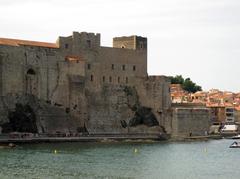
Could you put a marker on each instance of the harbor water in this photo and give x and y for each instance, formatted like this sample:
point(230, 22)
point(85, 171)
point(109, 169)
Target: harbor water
point(119, 160)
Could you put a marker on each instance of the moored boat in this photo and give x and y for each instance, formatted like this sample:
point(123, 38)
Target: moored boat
point(229, 130)
point(235, 145)
point(236, 137)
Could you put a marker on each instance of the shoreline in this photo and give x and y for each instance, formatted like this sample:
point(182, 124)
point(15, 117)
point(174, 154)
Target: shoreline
point(107, 138)
point(95, 138)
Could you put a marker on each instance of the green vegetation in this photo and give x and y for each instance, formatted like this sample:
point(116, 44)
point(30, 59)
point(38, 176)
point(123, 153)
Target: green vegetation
point(186, 84)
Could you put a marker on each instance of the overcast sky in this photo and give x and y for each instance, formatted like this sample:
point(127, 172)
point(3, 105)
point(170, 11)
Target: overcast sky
point(199, 39)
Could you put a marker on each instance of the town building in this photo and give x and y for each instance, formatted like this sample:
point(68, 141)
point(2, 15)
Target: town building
point(178, 95)
point(223, 105)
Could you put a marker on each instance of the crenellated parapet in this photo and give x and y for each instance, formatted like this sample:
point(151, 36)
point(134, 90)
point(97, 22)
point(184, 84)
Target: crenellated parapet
point(79, 42)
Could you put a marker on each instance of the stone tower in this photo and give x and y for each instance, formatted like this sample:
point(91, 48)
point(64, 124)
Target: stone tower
point(131, 42)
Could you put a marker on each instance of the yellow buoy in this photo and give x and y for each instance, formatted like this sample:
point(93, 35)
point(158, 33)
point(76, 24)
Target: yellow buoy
point(135, 150)
point(55, 151)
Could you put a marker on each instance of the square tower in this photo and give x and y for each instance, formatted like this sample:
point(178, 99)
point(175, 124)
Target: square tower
point(132, 42)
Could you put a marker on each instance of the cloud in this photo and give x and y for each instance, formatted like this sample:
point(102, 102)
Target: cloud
point(195, 38)
point(12, 2)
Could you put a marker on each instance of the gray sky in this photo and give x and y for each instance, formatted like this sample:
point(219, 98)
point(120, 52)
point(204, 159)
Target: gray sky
point(199, 39)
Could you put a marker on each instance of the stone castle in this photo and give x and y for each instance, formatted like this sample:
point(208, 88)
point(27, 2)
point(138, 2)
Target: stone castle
point(77, 85)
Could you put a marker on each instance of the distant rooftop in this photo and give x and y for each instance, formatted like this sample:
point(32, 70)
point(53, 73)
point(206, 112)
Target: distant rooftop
point(17, 42)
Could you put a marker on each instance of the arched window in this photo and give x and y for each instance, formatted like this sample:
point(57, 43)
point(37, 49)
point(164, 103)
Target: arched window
point(31, 82)
point(31, 72)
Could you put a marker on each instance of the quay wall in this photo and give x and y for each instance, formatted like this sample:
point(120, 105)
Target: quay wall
point(187, 122)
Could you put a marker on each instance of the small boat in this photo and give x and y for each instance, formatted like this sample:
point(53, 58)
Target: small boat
point(236, 137)
point(235, 145)
point(229, 130)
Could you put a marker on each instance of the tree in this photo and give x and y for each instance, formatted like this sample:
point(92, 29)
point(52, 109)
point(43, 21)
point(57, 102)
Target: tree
point(186, 84)
point(178, 79)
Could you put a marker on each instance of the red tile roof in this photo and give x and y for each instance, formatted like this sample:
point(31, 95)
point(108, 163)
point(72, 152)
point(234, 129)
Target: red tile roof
point(17, 42)
point(237, 108)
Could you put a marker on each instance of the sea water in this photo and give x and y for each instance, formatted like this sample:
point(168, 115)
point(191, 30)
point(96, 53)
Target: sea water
point(119, 160)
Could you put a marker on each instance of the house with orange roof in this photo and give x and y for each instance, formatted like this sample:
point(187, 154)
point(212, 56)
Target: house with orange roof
point(199, 97)
point(178, 95)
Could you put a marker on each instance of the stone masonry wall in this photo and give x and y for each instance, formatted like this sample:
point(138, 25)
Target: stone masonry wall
point(1, 70)
point(79, 84)
point(190, 121)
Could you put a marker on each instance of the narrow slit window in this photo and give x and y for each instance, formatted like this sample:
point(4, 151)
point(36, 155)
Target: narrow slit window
point(110, 79)
point(91, 77)
point(134, 68)
point(103, 78)
point(119, 79)
point(66, 46)
point(123, 67)
point(89, 66)
point(126, 79)
point(89, 43)
point(112, 66)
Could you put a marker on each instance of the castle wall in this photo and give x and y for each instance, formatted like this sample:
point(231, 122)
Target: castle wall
point(86, 84)
point(1, 70)
point(41, 72)
point(114, 103)
point(106, 110)
point(126, 62)
point(11, 70)
point(188, 122)
point(50, 67)
point(153, 92)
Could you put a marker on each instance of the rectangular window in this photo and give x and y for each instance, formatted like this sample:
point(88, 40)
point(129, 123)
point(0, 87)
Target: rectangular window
point(89, 66)
point(229, 110)
point(118, 79)
point(91, 77)
point(126, 79)
point(123, 67)
point(66, 46)
point(103, 78)
point(134, 68)
point(229, 114)
point(110, 79)
point(112, 66)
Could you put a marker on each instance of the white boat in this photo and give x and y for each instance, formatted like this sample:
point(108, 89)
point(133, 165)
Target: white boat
point(229, 130)
point(236, 137)
point(235, 145)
